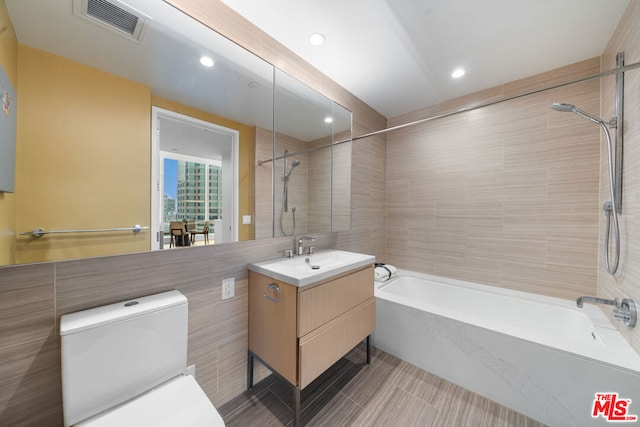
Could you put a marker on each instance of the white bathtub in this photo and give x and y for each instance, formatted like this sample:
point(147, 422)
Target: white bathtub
point(540, 356)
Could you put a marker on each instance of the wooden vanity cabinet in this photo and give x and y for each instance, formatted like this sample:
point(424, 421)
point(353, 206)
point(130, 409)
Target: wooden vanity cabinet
point(299, 332)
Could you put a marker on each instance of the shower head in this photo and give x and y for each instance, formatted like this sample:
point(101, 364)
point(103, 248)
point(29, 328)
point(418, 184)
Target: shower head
point(558, 106)
point(293, 166)
point(570, 108)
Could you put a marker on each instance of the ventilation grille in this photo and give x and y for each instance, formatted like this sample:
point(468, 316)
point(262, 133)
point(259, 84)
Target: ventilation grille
point(111, 16)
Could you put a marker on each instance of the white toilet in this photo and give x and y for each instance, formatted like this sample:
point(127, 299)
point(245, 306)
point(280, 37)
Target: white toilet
point(125, 364)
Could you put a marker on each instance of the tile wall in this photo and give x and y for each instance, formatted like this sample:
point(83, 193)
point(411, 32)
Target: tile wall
point(33, 297)
point(626, 283)
point(297, 188)
point(503, 195)
point(496, 216)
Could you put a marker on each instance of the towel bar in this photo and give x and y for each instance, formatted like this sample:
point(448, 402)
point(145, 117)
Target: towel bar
point(39, 232)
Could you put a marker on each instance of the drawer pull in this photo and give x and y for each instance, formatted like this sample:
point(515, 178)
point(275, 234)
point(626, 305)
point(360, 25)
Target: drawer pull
point(276, 290)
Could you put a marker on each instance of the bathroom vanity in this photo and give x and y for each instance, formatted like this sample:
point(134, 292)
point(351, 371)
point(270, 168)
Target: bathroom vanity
point(306, 312)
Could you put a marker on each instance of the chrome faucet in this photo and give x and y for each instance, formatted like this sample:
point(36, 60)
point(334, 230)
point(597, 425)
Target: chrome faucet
point(300, 243)
point(624, 310)
point(614, 302)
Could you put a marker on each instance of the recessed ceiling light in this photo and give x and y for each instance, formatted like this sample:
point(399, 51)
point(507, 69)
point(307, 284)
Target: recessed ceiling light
point(328, 119)
point(457, 73)
point(316, 39)
point(206, 61)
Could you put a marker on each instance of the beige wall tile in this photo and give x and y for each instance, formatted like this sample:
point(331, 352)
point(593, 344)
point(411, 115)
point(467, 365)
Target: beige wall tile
point(626, 282)
point(30, 383)
point(511, 187)
point(26, 304)
point(82, 284)
point(510, 231)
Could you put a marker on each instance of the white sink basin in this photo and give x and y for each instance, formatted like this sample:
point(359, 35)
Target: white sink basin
point(307, 269)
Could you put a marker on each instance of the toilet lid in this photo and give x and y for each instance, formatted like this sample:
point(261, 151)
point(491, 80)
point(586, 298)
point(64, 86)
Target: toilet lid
point(178, 402)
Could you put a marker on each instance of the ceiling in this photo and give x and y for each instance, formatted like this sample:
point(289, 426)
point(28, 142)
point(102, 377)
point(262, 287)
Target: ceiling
point(395, 55)
point(398, 55)
point(165, 58)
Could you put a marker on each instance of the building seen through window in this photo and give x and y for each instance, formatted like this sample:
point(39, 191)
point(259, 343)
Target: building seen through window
point(192, 191)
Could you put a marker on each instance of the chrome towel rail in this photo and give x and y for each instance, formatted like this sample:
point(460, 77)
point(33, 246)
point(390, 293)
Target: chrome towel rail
point(39, 232)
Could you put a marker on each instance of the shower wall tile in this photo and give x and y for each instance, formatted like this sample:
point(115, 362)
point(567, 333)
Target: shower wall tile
point(263, 175)
point(467, 216)
point(506, 194)
point(298, 185)
point(575, 71)
point(626, 283)
point(319, 186)
point(341, 194)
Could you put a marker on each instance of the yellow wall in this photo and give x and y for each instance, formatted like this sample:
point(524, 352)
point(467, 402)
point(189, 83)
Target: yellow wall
point(245, 167)
point(9, 62)
point(83, 158)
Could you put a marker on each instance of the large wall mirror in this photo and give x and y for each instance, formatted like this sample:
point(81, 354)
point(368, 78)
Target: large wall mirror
point(124, 122)
point(309, 162)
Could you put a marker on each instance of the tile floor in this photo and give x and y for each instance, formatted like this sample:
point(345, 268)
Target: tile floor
point(389, 392)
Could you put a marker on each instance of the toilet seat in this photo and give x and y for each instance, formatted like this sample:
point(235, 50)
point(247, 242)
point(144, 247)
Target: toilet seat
point(178, 402)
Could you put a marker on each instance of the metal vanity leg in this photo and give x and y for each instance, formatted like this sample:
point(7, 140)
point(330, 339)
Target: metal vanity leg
point(368, 349)
point(250, 371)
point(296, 407)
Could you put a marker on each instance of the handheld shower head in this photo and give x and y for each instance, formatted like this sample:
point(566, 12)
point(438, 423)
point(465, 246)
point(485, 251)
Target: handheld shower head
point(610, 207)
point(558, 106)
point(293, 166)
point(570, 108)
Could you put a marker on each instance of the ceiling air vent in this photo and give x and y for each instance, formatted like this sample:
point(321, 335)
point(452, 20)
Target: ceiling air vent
point(112, 15)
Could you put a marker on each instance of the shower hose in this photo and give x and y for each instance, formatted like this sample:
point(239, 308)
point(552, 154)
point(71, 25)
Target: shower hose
point(610, 210)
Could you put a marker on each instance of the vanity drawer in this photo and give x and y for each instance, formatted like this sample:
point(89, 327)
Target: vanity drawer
point(325, 346)
point(320, 304)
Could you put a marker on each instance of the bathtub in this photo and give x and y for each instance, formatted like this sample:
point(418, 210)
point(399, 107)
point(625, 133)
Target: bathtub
point(540, 356)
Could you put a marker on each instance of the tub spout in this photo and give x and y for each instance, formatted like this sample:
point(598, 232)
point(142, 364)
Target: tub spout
point(614, 302)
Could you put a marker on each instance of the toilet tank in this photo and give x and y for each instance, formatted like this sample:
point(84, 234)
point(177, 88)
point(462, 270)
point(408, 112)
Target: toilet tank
point(115, 352)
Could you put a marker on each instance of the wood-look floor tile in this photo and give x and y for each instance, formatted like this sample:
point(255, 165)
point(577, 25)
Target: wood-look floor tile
point(400, 408)
point(365, 384)
point(260, 410)
point(284, 390)
point(463, 408)
point(508, 418)
point(389, 392)
point(333, 408)
point(422, 384)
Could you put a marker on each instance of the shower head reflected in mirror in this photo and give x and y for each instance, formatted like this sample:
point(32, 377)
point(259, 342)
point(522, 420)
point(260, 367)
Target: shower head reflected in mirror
point(293, 165)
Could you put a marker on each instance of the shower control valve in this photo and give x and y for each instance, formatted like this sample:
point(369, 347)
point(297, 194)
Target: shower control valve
point(627, 312)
